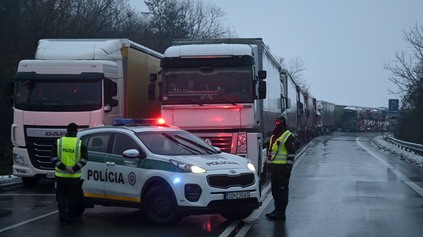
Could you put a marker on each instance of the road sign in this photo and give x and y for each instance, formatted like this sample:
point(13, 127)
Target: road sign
point(393, 105)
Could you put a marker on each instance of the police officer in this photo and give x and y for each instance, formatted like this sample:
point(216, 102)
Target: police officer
point(280, 159)
point(68, 155)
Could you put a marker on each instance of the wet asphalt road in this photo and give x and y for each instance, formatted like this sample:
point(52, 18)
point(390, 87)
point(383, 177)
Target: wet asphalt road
point(341, 186)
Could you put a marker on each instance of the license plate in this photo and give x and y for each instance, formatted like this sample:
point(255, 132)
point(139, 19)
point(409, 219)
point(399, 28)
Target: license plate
point(237, 195)
point(50, 175)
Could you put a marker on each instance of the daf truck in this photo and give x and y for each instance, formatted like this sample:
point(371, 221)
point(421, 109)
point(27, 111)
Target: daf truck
point(226, 91)
point(86, 81)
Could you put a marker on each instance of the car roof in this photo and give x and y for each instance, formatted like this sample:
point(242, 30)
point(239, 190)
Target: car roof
point(137, 128)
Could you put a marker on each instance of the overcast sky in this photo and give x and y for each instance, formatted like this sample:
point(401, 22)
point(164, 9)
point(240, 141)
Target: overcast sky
point(344, 44)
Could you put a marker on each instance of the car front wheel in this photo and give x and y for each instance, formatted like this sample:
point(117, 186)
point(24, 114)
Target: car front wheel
point(160, 206)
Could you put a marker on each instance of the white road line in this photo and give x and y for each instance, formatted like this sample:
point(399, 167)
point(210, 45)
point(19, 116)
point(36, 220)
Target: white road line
point(248, 221)
point(412, 185)
point(28, 221)
point(27, 195)
point(256, 214)
point(229, 229)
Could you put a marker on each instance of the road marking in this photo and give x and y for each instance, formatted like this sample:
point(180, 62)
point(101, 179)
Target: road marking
point(27, 195)
point(28, 221)
point(402, 177)
point(256, 214)
point(248, 222)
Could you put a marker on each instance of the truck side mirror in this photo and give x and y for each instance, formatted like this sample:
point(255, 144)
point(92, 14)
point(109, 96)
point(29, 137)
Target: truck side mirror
point(261, 90)
point(152, 91)
point(114, 102)
point(110, 90)
point(153, 77)
point(10, 91)
point(262, 74)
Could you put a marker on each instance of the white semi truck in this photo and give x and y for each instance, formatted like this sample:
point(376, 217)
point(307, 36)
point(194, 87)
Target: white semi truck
point(226, 91)
point(85, 81)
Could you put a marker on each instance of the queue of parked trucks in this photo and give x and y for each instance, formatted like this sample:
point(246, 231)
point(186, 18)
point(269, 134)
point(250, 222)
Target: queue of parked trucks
point(226, 91)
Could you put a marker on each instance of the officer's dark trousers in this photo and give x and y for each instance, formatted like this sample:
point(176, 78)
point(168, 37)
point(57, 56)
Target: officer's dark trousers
point(279, 179)
point(67, 196)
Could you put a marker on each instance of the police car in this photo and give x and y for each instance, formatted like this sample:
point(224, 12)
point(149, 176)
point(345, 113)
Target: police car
point(165, 171)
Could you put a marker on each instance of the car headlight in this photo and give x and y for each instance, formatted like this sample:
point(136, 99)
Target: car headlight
point(251, 167)
point(188, 167)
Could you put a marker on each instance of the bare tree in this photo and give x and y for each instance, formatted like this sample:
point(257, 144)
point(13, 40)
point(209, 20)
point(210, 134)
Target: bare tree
point(407, 74)
point(173, 19)
point(296, 68)
point(204, 20)
point(406, 68)
point(167, 21)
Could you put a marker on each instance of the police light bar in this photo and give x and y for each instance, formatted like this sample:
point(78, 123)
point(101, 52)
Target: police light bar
point(138, 121)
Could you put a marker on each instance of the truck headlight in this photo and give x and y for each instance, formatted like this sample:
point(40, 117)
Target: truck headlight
point(242, 143)
point(18, 159)
point(188, 167)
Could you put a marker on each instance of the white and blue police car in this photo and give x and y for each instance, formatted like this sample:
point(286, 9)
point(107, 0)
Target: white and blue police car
point(167, 172)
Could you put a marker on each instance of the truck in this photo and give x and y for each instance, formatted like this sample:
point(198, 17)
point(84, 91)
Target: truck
point(325, 117)
point(239, 93)
point(310, 116)
point(352, 119)
point(86, 81)
point(294, 107)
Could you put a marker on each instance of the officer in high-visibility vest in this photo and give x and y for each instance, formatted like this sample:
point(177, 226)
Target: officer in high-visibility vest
point(280, 159)
point(68, 155)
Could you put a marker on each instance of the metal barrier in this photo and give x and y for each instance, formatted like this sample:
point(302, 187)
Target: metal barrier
point(408, 146)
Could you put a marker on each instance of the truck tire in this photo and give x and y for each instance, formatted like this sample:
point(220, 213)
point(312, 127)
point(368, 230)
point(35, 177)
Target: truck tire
point(160, 206)
point(237, 215)
point(30, 181)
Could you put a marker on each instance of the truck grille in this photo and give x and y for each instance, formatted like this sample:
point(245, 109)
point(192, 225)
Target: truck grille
point(223, 142)
point(39, 150)
point(227, 181)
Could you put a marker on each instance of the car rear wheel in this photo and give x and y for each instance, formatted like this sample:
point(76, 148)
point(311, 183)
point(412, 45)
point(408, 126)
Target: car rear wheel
point(160, 206)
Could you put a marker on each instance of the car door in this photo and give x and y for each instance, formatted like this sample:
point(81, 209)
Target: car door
point(94, 171)
point(123, 173)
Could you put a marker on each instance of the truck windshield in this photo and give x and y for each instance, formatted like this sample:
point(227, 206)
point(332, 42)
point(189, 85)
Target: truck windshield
point(208, 85)
point(53, 95)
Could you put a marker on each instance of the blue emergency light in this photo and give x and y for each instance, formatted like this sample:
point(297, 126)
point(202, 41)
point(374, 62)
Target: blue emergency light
point(138, 121)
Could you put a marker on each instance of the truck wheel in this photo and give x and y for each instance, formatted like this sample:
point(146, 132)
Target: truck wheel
point(237, 215)
point(160, 206)
point(30, 181)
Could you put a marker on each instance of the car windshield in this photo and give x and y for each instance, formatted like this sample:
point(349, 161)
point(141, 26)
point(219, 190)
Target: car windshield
point(175, 143)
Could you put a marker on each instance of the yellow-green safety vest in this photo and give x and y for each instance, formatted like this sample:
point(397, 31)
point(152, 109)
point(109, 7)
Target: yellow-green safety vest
point(279, 154)
point(69, 153)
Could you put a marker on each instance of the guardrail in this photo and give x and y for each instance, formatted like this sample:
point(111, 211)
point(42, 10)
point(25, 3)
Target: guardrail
point(408, 146)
